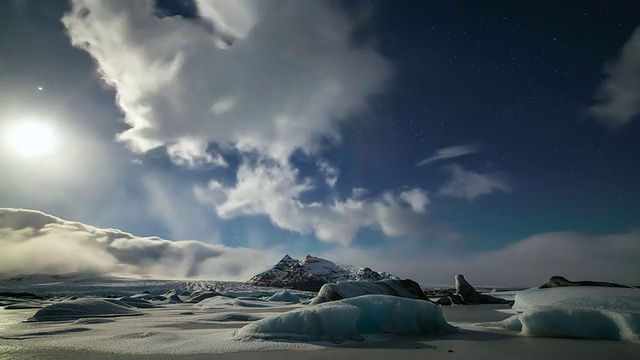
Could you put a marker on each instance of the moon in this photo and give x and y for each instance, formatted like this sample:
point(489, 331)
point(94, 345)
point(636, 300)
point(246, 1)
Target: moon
point(31, 139)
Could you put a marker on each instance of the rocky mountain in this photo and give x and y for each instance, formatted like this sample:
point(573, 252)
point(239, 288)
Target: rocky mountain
point(313, 272)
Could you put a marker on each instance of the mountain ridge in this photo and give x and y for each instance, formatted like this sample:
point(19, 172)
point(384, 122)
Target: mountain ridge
point(313, 272)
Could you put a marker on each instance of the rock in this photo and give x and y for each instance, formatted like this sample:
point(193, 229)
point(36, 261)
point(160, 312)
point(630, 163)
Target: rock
point(559, 281)
point(445, 301)
point(348, 289)
point(467, 295)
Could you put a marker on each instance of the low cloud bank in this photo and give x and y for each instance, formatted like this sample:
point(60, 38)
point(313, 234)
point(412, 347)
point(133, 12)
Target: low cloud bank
point(34, 242)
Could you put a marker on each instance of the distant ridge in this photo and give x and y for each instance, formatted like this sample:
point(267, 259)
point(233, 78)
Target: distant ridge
point(313, 272)
point(559, 281)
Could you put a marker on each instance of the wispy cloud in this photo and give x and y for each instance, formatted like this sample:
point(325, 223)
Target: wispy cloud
point(193, 153)
point(466, 184)
point(618, 98)
point(330, 172)
point(450, 153)
point(275, 191)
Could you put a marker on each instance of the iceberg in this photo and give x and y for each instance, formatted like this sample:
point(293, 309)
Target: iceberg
point(601, 313)
point(350, 289)
point(349, 319)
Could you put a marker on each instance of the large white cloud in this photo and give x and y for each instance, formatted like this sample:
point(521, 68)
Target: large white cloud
point(34, 242)
point(275, 191)
point(258, 75)
point(619, 95)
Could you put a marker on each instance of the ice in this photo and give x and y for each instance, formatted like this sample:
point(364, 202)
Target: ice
point(350, 289)
point(604, 298)
point(348, 319)
point(577, 312)
point(83, 308)
point(285, 296)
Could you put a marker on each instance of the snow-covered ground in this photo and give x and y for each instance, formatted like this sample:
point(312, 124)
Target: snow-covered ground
point(151, 319)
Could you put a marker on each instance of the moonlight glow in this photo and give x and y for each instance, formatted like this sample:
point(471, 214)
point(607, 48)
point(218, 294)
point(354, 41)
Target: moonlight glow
point(31, 138)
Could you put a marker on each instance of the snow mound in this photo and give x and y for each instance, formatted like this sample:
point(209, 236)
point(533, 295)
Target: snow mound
point(577, 312)
point(218, 302)
point(285, 296)
point(198, 296)
point(137, 302)
point(229, 316)
point(83, 308)
point(348, 319)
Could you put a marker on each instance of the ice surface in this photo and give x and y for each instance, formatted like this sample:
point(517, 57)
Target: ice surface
point(577, 312)
point(228, 316)
point(57, 286)
point(83, 308)
point(285, 296)
point(348, 319)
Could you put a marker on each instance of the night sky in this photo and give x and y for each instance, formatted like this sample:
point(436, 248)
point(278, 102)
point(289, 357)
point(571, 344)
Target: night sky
point(423, 138)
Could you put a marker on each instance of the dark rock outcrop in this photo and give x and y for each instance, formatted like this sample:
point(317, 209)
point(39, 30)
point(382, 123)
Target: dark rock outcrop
point(466, 294)
point(559, 281)
point(348, 289)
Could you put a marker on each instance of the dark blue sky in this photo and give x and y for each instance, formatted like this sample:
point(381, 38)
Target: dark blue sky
point(513, 84)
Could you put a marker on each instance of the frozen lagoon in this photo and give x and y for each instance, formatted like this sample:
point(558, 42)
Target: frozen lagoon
point(188, 331)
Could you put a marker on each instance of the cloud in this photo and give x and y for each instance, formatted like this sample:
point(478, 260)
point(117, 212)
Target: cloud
point(172, 203)
point(416, 198)
point(274, 190)
point(261, 76)
point(469, 185)
point(527, 262)
point(450, 153)
point(192, 153)
point(34, 242)
point(330, 172)
point(618, 98)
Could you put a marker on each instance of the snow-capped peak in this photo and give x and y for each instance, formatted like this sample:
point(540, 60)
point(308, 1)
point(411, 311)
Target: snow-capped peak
point(313, 272)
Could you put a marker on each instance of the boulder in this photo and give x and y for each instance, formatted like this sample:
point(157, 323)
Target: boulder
point(467, 295)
